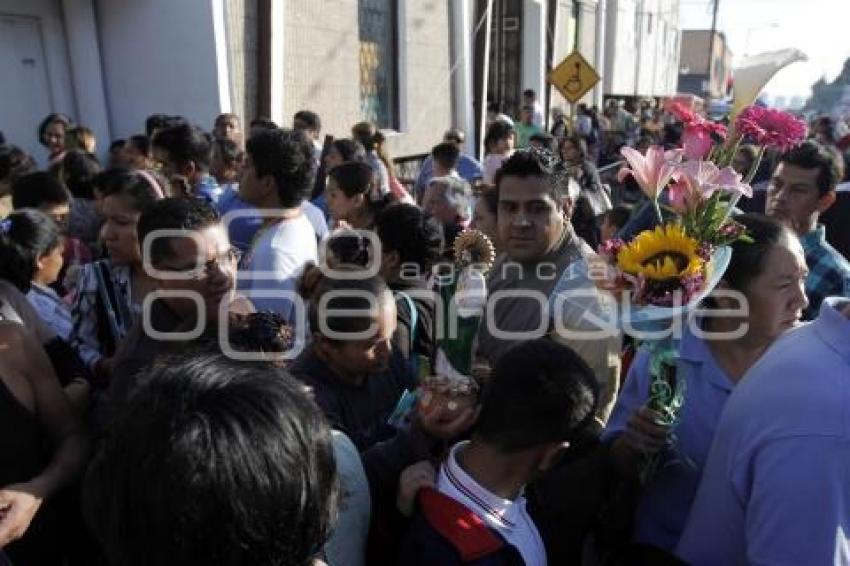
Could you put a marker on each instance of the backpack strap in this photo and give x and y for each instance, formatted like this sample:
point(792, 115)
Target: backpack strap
point(457, 524)
point(414, 321)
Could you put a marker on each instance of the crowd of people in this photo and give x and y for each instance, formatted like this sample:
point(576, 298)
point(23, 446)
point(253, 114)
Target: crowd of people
point(209, 344)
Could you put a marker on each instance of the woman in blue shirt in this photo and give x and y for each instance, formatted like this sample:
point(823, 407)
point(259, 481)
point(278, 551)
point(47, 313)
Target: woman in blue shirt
point(715, 353)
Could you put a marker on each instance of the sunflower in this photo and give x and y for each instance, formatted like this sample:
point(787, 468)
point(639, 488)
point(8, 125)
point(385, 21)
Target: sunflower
point(662, 254)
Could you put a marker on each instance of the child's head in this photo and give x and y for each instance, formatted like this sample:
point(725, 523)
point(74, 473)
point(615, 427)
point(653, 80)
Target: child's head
point(614, 220)
point(353, 319)
point(540, 396)
point(44, 192)
point(31, 249)
point(348, 189)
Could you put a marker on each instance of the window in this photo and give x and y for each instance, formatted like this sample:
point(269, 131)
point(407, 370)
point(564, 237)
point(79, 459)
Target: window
point(378, 24)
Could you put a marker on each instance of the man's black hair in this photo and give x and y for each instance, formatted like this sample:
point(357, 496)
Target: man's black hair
point(814, 155)
point(531, 162)
point(37, 189)
point(413, 234)
point(185, 143)
point(263, 122)
point(177, 213)
point(214, 461)
point(287, 156)
point(540, 392)
point(310, 119)
point(78, 171)
point(446, 154)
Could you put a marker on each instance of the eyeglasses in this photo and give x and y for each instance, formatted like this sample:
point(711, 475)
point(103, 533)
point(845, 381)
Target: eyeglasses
point(195, 272)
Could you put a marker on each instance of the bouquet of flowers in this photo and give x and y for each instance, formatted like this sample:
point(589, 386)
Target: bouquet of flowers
point(661, 275)
point(464, 294)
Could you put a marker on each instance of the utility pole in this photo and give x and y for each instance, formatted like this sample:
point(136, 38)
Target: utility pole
point(711, 46)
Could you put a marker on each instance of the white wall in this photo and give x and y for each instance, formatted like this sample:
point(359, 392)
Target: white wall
point(61, 93)
point(534, 23)
point(162, 56)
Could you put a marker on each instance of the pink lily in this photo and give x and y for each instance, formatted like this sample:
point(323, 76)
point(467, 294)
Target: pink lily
point(698, 180)
point(652, 171)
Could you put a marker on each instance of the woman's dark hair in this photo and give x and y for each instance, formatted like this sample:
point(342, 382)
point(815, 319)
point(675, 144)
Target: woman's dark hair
point(353, 178)
point(14, 162)
point(577, 142)
point(25, 236)
point(365, 132)
point(214, 461)
point(413, 234)
point(135, 189)
point(52, 119)
point(140, 143)
point(813, 155)
point(540, 392)
point(287, 156)
point(749, 258)
point(38, 188)
point(373, 139)
point(498, 130)
point(79, 170)
point(350, 150)
point(361, 293)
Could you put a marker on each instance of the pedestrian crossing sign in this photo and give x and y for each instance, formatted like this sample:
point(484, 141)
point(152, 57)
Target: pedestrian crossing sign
point(573, 77)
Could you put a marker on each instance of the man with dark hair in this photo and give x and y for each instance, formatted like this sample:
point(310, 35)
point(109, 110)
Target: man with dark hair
point(802, 188)
point(214, 462)
point(465, 165)
point(540, 397)
point(309, 122)
point(227, 127)
point(196, 273)
point(529, 98)
point(535, 206)
point(184, 153)
point(278, 176)
point(411, 243)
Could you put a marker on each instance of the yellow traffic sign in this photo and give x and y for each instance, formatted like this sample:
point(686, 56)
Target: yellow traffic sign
point(573, 77)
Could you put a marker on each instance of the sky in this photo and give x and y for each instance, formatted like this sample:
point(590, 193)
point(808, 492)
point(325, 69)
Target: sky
point(818, 28)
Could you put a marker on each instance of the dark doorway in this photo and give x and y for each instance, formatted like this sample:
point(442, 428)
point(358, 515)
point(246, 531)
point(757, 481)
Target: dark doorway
point(504, 81)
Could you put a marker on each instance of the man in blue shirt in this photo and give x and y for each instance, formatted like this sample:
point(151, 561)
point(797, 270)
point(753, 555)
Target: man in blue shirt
point(802, 188)
point(466, 166)
point(776, 486)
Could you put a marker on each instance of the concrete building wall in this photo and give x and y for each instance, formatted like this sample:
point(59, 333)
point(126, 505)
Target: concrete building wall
point(322, 69)
point(162, 56)
point(642, 47)
point(242, 35)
